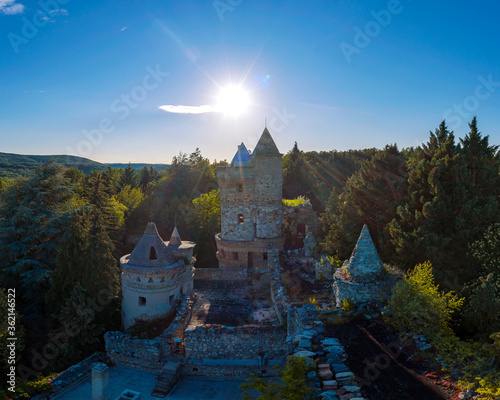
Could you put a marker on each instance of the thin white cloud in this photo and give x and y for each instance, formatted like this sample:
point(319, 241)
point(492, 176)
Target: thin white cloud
point(191, 109)
point(125, 27)
point(10, 7)
point(59, 11)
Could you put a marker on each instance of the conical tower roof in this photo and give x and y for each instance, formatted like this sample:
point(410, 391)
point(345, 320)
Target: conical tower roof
point(364, 261)
point(175, 239)
point(151, 251)
point(266, 145)
point(242, 157)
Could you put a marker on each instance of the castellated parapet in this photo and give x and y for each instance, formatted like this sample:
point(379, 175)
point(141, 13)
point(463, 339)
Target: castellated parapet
point(251, 206)
point(155, 275)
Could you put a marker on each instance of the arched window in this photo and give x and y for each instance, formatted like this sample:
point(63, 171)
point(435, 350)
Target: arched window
point(240, 218)
point(152, 253)
point(142, 301)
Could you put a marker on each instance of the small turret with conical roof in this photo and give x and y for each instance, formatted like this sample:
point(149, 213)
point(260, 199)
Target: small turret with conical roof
point(154, 275)
point(364, 261)
point(175, 238)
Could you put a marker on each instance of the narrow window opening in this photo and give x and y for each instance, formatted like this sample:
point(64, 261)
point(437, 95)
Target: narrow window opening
point(152, 253)
point(142, 301)
point(240, 218)
point(239, 187)
point(171, 298)
point(235, 255)
point(264, 256)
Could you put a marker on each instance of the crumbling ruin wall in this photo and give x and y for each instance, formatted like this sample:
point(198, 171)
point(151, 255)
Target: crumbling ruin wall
point(124, 349)
point(218, 274)
point(243, 343)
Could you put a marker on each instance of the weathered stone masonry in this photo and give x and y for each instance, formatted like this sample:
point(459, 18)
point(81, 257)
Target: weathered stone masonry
point(242, 343)
point(251, 206)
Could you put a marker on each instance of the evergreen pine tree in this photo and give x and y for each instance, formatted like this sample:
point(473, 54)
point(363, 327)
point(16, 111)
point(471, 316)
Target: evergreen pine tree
point(102, 265)
point(438, 221)
point(129, 177)
point(145, 178)
point(72, 263)
point(371, 196)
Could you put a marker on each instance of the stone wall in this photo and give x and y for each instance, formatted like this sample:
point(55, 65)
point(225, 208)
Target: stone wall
point(375, 291)
point(172, 339)
point(228, 371)
point(279, 296)
point(242, 343)
point(268, 195)
point(123, 349)
point(217, 274)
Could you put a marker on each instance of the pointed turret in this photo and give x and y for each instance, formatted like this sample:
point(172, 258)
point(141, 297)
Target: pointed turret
point(175, 239)
point(151, 251)
point(242, 157)
point(364, 261)
point(266, 145)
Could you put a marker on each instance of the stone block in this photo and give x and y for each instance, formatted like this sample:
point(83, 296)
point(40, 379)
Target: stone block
point(325, 374)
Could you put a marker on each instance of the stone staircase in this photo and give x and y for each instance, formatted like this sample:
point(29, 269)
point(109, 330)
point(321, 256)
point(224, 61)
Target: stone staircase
point(167, 378)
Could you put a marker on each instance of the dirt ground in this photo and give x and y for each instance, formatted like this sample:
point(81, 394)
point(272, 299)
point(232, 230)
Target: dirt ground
point(385, 370)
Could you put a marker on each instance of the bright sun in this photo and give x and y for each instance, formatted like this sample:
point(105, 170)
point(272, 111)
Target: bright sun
point(233, 100)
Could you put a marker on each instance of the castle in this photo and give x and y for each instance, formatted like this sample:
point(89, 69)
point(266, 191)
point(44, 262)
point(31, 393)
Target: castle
point(251, 206)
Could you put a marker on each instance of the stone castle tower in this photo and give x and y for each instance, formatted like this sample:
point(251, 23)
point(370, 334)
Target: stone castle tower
point(251, 206)
point(155, 275)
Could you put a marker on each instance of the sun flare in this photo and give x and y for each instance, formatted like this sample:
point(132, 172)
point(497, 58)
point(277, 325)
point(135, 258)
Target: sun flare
point(233, 100)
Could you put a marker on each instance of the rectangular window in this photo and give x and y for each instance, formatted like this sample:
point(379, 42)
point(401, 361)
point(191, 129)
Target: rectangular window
point(142, 301)
point(239, 188)
point(264, 256)
point(235, 255)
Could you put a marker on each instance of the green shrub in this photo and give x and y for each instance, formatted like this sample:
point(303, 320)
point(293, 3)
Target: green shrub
point(347, 305)
point(417, 305)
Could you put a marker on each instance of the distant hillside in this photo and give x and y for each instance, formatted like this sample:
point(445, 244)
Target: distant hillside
point(13, 165)
point(138, 166)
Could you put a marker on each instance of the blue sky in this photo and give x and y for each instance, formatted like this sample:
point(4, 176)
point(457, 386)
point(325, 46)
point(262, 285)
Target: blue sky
point(88, 77)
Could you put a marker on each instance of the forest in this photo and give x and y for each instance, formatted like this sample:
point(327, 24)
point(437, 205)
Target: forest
point(62, 231)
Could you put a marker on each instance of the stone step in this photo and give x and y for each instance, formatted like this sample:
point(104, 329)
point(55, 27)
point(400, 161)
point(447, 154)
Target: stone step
point(167, 379)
